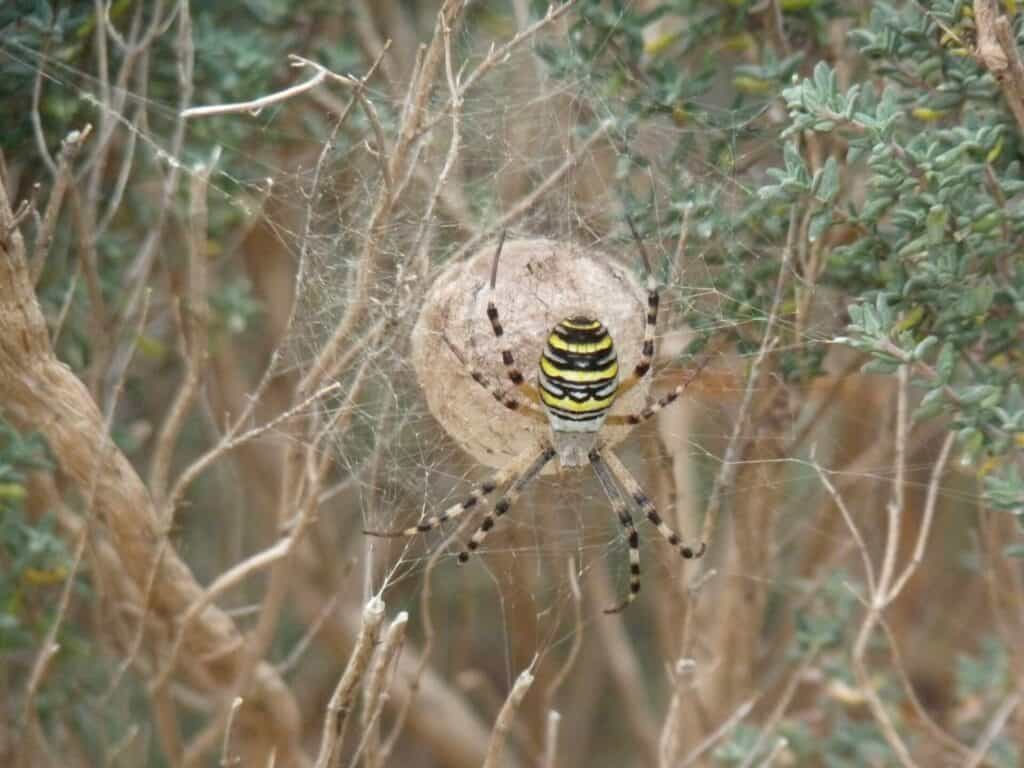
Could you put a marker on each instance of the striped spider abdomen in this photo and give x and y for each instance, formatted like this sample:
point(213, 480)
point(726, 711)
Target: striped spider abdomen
point(578, 379)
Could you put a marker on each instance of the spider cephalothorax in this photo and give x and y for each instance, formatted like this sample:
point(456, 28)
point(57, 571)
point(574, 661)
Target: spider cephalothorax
point(576, 384)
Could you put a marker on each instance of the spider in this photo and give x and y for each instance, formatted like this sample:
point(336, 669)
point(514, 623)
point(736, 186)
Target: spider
point(577, 382)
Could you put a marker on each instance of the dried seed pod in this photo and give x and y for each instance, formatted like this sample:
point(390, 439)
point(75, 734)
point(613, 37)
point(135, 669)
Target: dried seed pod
point(539, 283)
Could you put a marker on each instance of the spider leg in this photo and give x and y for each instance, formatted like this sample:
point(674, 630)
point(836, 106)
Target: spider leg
point(650, 323)
point(619, 507)
point(509, 401)
point(639, 498)
point(502, 505)
point(514, 374)
point(478, 494)
point(653, 408)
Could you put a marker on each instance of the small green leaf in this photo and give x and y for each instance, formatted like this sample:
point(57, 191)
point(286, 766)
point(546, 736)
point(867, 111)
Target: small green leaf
point(938, 215)
point(944, 364)
point(820, 221)
point(828, 183)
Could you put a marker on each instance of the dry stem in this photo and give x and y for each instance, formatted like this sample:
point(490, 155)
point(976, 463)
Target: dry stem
point(506, 717)
point(344, 693)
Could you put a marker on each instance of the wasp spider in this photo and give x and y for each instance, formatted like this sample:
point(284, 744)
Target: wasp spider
point(577, 382)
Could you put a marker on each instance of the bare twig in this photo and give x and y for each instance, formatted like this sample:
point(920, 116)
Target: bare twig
point(231, 440)
point(878, 591)
point(289, 662)
point(550, 759)
point(992, 730)
point(526, 203)
point(195, 320)
point(506, 717)
point(727, 471)
point(997, 52)
point(375, 694)
point(420, 253)
point(668, 742)
point(225, 581)
point(225, 752)
point(255, 106)
point(926, 523)
point(429, 635)
point(577, 639)
point(344, 693)
point(780, 744)
point(500, 54)
point(720, 732)
point(62, 177)
point(779, 710)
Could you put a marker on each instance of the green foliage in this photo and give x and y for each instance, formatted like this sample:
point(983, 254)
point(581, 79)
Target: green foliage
point(904, 170)
point(921, 190)
point(33, 556)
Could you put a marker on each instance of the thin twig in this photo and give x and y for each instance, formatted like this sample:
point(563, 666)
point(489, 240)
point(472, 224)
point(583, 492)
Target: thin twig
point(550, 759)
point(869, 569)
point(255, 106)
point(721, 731)
point(997, 52)
point(577, 639)
point(62, 177)
point(506, 717)
point(500, 54)
point(727, 471)
point(292, 659)
point(225, 581)
point(344, 693)
point(195, 321)
point(429, 635)
point(375, 694)
point(897, 503)
point(527, 202)
point(225, 752)
point(668, 742)
point(422, 259)
point(926, 523)
point(996, 725)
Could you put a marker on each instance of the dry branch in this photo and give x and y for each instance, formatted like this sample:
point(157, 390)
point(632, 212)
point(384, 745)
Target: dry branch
point(506, 717)
point(40, 393)
point(345, 692)
point(997, 51)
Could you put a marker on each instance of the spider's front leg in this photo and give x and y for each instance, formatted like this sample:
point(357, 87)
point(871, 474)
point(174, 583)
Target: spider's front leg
point(653, 408)
point(650, 322)
point(507, 358)
point(509, 401)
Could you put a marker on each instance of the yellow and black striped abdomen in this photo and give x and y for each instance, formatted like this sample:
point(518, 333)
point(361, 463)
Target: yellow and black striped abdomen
point(579, 375)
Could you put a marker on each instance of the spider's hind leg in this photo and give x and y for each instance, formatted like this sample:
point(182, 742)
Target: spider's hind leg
point(454, 512)
point(639, 498)
point(621, 510)
point(502, 505)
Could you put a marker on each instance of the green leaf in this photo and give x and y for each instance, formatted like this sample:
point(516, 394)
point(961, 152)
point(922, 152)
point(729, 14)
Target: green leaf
point(938, 215)
point(945, 362)
point(828, 181)
point(820, 221)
